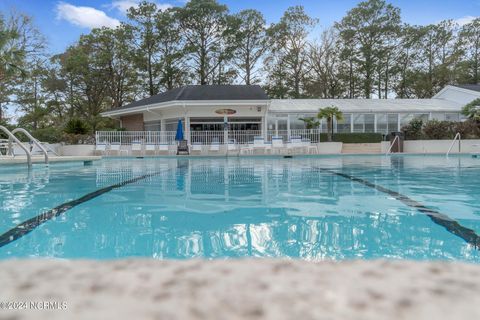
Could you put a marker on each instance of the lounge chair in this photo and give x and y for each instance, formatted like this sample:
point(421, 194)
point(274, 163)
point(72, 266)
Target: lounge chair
point(163, 148)
point(150, 146)
point(277, 144)
point(259, 144)
point(136, 147)
point(197, 147)
point(295, 144)
point(232, 145)
point(101, 147)
point(309, 147)
point(215, 146)
point(116, 147)
point(182, 148)
point(246, 148)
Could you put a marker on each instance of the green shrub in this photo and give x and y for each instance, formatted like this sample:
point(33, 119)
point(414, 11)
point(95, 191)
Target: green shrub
point(50, 134)
point(413, 130)
point(437, 130)
point(469, 129)
point(353, 137)
point(472, 110)
point(76, 126)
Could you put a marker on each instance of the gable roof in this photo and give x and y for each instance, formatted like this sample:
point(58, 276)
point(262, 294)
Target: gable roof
point(473, 87)
point(202, 93)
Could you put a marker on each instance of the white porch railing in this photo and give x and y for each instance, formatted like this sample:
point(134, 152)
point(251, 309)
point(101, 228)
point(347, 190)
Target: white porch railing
point(127, 137)
point(202, 137)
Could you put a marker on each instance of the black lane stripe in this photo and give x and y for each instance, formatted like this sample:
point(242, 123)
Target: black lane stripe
point(451, 225)
point(29, 225)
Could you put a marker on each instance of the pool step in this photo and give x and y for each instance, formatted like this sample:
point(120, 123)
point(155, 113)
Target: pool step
point(358, 148)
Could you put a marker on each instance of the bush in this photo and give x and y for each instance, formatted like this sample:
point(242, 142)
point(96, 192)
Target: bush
point(437, 130)
point(469, 129)
point(51, 134)
point(76, 126)
point(413, 130)
point(354, 137)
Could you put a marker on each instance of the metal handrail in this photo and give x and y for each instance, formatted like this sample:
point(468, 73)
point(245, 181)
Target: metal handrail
point(35, 141)
point(12, 137)
point(392, 144)
point(459, 137)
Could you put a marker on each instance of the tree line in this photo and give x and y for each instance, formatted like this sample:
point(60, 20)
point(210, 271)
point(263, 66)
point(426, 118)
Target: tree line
point(369, 53)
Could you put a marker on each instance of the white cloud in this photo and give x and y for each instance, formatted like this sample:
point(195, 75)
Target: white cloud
point(124, 5)
point(86, 17)
point(465, 20)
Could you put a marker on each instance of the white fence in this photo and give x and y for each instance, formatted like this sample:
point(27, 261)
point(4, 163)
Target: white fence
point(127, 137)
point(202, 137)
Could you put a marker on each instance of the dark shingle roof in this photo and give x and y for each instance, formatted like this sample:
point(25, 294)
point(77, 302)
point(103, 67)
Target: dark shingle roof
point(473, 87)
point(207, 92)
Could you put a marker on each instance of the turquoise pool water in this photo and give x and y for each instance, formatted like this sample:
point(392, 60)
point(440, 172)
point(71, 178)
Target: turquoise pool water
point(415, 207)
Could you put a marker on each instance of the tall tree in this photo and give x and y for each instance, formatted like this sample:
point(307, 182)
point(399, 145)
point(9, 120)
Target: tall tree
point(370, 27)
point(172, 63)
point(144, 17)
point(288, 40)
point(20, 42)
point(204, 27)
point(470, 41)
point(324, 62)
point(251, 39)
point(84, 66)
point(114, 52)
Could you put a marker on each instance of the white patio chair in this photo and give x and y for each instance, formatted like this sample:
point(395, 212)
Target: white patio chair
point(197, 148)
point(164, 148)
point(214, 146)
point(150, 146)
point(268, 147)
point(101, 147)
point(259, 144)
point(136, 147)
point(309, 147)
point(116, 147)
point(295, 144)
point(246, 148)
point(277, 144)
point(232, 145)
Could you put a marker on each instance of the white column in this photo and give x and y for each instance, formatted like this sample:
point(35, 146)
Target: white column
point(288, 127)
point(225, 130)
point(351, 122)
point(264, 127)
point(187, 129)
point(375, 122)
point(162, 125)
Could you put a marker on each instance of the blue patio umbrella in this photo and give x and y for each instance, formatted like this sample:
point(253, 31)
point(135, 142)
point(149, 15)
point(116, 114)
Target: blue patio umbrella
point(179, 135)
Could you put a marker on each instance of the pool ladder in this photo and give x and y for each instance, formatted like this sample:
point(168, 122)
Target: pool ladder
point(13, 138)
point(459, 138)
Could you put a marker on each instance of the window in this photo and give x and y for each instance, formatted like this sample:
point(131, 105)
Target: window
point(392, 122)
point(152, 126)
point(358, 123)
point(382, 125)
point(369, 120)
point(452, 117)
point(344, 125)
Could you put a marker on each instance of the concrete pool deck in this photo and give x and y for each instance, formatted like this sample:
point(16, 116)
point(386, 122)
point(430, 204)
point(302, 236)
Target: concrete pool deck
point(40, 159)
point(241, 289)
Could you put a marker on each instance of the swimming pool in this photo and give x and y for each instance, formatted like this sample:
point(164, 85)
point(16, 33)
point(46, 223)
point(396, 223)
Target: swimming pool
point(339, 207)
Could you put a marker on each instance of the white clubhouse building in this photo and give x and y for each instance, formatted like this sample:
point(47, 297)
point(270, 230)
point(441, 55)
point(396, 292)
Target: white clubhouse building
point(205, 110)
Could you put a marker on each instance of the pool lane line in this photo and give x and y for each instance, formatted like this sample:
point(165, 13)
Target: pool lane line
point(451, 225)
point(29, 225)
